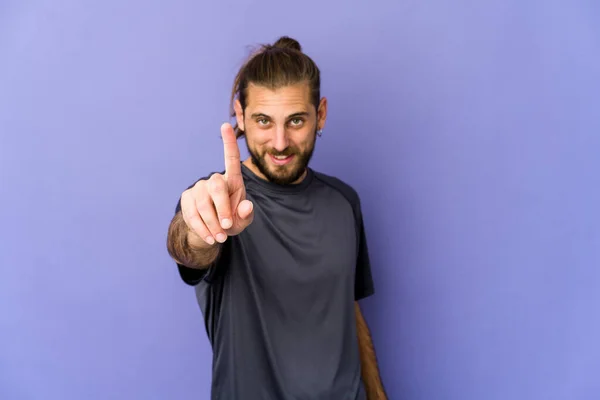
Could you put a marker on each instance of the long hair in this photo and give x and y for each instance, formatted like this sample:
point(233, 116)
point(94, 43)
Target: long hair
point(273, 66)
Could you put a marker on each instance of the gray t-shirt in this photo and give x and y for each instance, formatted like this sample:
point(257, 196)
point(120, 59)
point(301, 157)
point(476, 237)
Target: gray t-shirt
point(278, 303)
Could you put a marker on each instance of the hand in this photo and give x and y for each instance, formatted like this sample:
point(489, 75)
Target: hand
point(217, 207)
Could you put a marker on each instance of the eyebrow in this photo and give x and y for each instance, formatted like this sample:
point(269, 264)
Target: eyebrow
point(294, 115)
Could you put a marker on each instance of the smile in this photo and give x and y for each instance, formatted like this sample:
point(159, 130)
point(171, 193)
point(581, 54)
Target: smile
point(281, 160)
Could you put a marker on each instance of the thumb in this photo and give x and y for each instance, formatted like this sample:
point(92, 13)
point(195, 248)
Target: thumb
point(245, 211)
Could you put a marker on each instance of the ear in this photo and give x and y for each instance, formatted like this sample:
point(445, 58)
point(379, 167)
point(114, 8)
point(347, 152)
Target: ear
point(239, 114)
point(322, 113)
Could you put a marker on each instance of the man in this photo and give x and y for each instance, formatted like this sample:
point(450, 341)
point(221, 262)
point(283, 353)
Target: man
point(276, 251)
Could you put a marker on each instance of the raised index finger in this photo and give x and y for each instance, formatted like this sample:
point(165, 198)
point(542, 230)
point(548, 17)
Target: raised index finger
point(233, 169)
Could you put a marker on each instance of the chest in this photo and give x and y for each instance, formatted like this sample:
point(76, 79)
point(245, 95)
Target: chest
point(295, 243)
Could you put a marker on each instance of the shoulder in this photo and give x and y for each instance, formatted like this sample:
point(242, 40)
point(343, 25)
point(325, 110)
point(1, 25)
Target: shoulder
point(343, 187)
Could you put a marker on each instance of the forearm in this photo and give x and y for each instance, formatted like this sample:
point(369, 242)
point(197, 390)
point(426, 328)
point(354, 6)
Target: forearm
point(368, 360)
point(187, 248)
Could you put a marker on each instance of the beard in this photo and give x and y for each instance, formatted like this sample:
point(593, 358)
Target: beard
point(283, 174)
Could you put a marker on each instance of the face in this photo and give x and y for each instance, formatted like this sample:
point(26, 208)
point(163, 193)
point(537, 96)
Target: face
point(280, 129)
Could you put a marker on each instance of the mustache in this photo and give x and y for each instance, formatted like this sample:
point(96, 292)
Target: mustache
point(287, 152)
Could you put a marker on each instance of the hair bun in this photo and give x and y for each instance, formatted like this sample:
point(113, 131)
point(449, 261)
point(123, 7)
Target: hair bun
point(286, 42)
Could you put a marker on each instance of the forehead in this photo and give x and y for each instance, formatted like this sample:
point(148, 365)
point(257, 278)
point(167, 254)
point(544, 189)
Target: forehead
point(292, 98)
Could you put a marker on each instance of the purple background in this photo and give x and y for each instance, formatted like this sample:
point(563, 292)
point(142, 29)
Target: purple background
point(470, 129)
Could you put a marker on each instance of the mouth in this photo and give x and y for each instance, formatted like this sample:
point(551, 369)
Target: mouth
point(281, 160)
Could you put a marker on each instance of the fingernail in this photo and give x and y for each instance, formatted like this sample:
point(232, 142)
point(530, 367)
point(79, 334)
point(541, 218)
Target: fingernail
point(247, 207)
point(226, 223)
point(221, 237)
point(210, 240)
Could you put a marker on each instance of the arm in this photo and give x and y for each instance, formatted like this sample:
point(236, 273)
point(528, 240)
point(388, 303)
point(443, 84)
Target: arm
point(368, 361)
point(187, 248)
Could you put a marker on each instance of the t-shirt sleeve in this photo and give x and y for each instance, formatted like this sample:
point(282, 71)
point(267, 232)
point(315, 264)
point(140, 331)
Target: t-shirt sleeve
point(363, 281)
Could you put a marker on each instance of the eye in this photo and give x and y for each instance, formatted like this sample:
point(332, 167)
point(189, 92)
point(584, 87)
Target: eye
point(262, 121)
point(296, 122)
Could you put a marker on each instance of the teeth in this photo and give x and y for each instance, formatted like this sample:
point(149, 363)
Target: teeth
point(281, 157)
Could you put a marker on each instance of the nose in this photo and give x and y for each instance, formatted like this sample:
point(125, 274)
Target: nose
point(281, 138)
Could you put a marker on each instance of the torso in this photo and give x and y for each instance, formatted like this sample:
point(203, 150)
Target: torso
point(280, 303)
